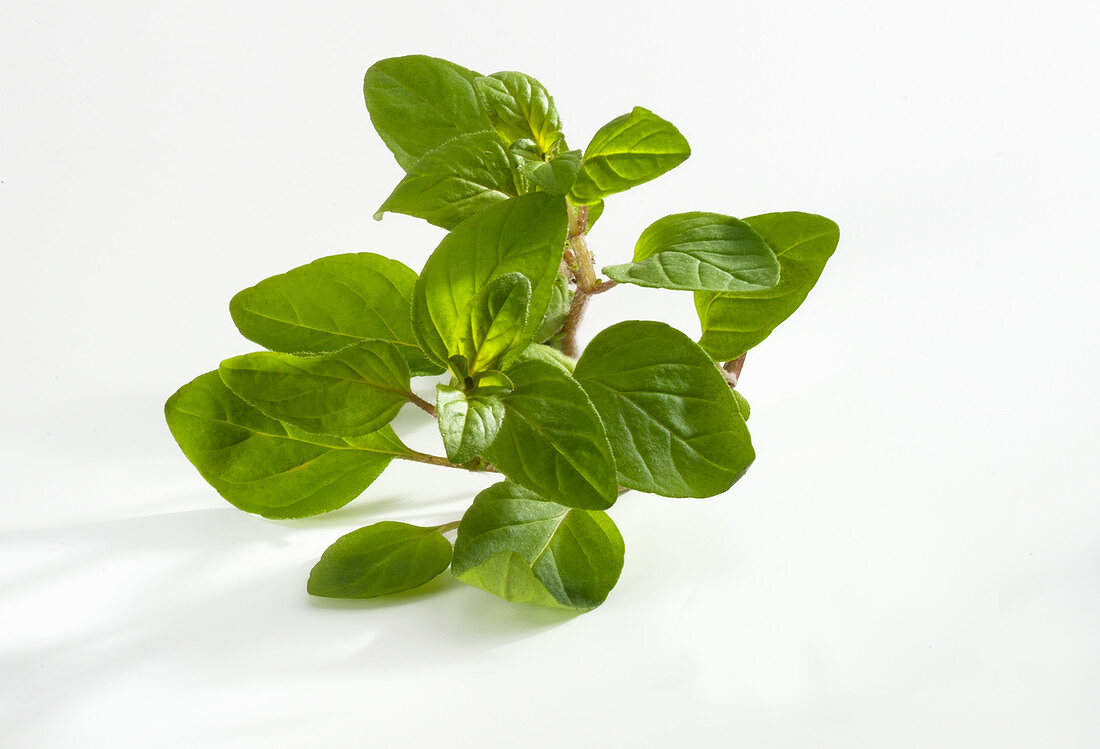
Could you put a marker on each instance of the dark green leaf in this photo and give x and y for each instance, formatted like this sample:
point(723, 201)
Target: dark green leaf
point(700, 252)
point(379, 560)
point(347, 393)
point(734, 323)
point(516, 545)
point(626, 152)
point(524, 235)
point(263, 466)
point(521, 108)
point(673, 423)
point(552, 441)
point(493, 323)
point(469, 424)
point(418, 103)
point(458, 179)
point(332, 303)
point(557, 175)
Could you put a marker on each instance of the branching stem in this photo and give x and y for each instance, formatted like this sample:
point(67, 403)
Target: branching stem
point(438, 460)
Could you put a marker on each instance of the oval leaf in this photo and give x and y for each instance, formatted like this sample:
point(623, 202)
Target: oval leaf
point(332, 303)
point(673, 423)
point(552, 441)
point(521, 108)
point(700, 252)
point(348, 393)
point(263, 466)
point(458, 179)
point(523, 235)
point(734, 323)
point(418, 103)
point(493, 323)
point(556, 175)
point(468, 424)
point(626, 152)
point(379, 560)
point(518, 546)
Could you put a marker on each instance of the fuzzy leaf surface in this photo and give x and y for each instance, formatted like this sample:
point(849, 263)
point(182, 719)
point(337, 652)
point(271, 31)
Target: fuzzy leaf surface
point(458, 179)
point(628, 151)
point(332, 303)
point(521, 108)
point(417, 103)
point(347, 393)
point(523, 235)
point(700, 252)
point(673, 423)
point(266, 467)
point(516, 545)
point(555, 175)
point(552, 441)
point(735, 322)
point(493, 324)
point(379, 560)
point(467, 423)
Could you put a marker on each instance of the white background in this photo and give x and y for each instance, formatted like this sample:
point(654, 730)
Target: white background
point(911, 562)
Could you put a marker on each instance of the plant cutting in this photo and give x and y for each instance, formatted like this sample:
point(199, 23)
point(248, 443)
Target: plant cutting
point(304, 427)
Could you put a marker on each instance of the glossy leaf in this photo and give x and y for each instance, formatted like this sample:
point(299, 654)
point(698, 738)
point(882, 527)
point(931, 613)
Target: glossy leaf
point(628, 151)
point(734, 323)
point(379, 560)
point(700, 252)
point(468, 423)
point(417, 103)
point(552, 441)
point(521, 108)
point(458, 179)
point(493, 323)
point(673, 423)
point(347, 393)
point(522, 235)
point(518, 546)
point(556, 175)
point(263, 466)
point(332, 303)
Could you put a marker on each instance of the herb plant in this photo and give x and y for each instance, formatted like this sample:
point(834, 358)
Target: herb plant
point(304, 427)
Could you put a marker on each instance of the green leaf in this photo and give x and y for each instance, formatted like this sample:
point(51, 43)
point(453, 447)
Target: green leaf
point(418, 103)
point(557, 175)
point(379, 560)
point(521, 108)
point(548, 354)
point(332, 303)
point(263, 466)
point(492, 325)
point(742, 404)
point(673, 423)
point(458, 179)
point(733, 323)
point(491, 382)
point(468, 424)
point(524, 235)
point(561, 297)
point(626, 152)
point(552, 441)
point(516, 545)
point(700, 252)
point(347, 393)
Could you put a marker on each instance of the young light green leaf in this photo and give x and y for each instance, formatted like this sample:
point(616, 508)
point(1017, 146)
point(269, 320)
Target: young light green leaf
point(556, 175)
point(332, 303)
point(561, 297)
point(673, 423)
point(379, 560)
point(347, 393)
point(491, 382)
point(735, 322)
point(493, 324)
point(516, 545)
point(520, 107)
point(700, 252)
point(458, 179)
point(263, 466)
point(552, 441)
point(548, 354)
point(468, 423)
point(418, 103)
point(626, 152)
point(524, 235)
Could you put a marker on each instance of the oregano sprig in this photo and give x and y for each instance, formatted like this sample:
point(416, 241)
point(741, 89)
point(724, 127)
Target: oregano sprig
point(303, 428)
